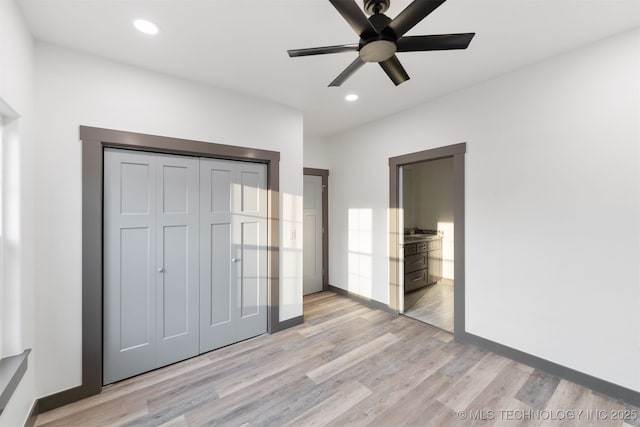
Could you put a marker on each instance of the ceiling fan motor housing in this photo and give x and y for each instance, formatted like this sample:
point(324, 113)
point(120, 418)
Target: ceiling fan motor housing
point(380, 45)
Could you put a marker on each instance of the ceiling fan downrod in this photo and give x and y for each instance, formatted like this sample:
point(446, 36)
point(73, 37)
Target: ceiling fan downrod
point(375, 7)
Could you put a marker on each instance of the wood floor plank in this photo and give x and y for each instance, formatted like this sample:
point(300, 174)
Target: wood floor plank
point(185, 389)
point(498, 393)
point(271, 408)
point(345, 398)
point(569, 397)
point(295, 402)
point(266, 369)
point(180, 421)
point(421, 396)
point(343, 362)
point(464, 390)
point(538, 389)
point(327, 307)
point(600, 409)
point(393, 389)
point(353, 335)
point(347, 365)
point(175, 409)
point(516, 413)
point(246, 349)
point(116, 412)
point(632, 415)
point(323, 316)
point(464, 360)
point(311, 330)
point(379, 314)
point(388, 364)
point(311, 299)
point(152, 380)
point(444, 336)
point(437, 414)
point(255, 398)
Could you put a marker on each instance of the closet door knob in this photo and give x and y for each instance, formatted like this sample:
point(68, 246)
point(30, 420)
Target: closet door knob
point(161, 270)
point(235, 259)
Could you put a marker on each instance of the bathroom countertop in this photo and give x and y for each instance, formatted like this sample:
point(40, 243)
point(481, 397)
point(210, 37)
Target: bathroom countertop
point(413, 238)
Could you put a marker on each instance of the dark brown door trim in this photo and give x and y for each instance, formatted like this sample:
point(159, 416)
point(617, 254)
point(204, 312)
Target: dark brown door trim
point(456, 151)
point(324, 173)
point(94, 140)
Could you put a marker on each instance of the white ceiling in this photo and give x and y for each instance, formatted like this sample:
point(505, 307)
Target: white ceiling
point(241, 45)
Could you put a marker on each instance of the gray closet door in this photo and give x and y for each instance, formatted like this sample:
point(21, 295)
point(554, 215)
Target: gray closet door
point(129, 264)
point(150, 261)
point(233, 255)
point(312, 235)
point(177, 258)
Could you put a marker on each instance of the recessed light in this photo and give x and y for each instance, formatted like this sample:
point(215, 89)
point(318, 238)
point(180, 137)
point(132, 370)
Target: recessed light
point(351, 97)
point(146, 27)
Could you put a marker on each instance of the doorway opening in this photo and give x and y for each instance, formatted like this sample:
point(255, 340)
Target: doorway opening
point(315, 231)
point(426, 274)
point(426, 202)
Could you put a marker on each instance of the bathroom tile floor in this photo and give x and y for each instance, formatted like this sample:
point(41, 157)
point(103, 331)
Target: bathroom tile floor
point(432, 305)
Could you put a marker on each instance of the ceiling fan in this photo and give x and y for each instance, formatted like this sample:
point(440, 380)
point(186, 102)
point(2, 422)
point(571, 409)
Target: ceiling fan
point(381, 37)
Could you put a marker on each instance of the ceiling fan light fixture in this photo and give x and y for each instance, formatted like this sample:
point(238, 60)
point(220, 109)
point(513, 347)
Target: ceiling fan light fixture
point(377, 51)
point(351, 97)
point(381, 37)
point(146, 27)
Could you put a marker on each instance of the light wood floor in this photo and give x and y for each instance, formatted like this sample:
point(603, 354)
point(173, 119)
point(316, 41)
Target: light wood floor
point(432, 304)
point(346, 365)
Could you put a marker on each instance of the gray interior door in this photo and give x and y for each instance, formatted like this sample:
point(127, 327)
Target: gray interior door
point(312, 235)
point(177, 260)
point(129, 264)
point(150, 261)
point(233, 253)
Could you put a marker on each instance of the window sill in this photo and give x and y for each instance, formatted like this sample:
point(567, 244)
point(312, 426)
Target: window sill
point(11, 371)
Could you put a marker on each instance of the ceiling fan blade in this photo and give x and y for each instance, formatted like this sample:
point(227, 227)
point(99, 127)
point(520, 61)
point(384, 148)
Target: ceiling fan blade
point(348, 72)
point(323, 50)
point(354, 16)
point(435, 42)
point(413, 14)
point(394, 70)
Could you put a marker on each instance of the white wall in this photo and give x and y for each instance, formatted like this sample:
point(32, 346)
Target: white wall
point(431, 205)
point(316, 154)
point(432, 193)
point(552, 204)
point(17, 286)
point(74, 89)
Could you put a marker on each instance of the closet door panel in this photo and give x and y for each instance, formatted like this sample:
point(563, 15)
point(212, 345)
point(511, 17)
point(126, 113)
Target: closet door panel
point(175, 278)
point(250, 272)
point(219, 177)
point(220, 300)
point(129, 264)
point(250, 229)
point(135, 288)
point(218, 292)
point(177, 258)
point(251, 188)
